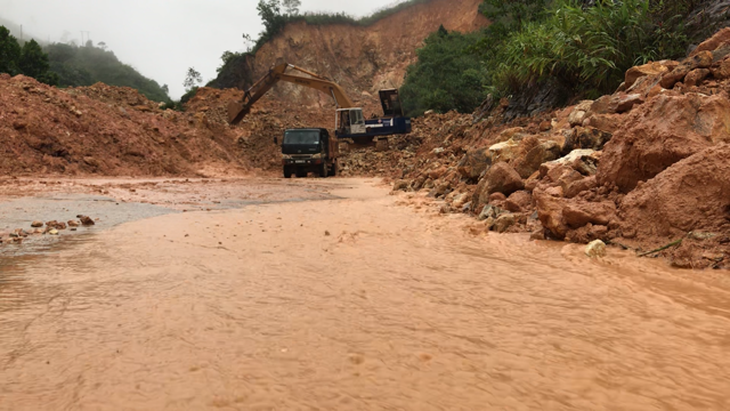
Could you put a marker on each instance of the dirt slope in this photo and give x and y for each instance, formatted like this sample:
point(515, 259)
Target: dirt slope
point(361, 59)
point(105, 130)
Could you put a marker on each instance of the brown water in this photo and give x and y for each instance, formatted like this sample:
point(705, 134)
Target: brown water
point(395, 309)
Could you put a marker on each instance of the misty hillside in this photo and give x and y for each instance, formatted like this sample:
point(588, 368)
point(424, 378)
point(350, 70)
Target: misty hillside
point(78, 66)
point(83, 66)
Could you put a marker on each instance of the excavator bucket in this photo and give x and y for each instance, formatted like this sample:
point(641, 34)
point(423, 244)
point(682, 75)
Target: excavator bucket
point(236, 112)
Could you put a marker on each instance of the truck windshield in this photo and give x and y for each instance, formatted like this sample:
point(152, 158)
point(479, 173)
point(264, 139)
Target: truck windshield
point(301, 137)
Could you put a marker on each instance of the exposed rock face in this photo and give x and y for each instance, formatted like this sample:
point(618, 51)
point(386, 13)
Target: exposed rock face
point(664, 131)
point(362, 59)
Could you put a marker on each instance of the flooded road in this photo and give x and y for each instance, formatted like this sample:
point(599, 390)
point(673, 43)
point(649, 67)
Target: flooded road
point(353, 301)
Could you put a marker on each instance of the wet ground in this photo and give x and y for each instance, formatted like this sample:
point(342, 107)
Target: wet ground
point(332, 294)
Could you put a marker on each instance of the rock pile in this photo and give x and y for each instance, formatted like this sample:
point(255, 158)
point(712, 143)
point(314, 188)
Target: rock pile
point(644, 167)
point(52, 227)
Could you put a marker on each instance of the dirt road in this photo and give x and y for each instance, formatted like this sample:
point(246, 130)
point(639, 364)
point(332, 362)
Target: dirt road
point(334, 295)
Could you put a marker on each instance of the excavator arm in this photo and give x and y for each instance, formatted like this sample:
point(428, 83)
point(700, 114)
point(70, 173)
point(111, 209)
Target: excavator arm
point(237, 110)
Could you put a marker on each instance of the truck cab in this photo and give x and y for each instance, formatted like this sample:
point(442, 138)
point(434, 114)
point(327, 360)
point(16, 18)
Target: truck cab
point(305, 150)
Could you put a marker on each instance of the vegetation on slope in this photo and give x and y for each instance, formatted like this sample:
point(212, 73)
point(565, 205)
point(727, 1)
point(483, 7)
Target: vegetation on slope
point(29, 60)
point(88, 64)
point(586, 44)
point(276, 14)
point(68, 65)
point(448, 76)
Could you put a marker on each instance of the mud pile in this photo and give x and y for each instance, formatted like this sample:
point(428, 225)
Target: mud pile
point(644, 168)
point(105, 130)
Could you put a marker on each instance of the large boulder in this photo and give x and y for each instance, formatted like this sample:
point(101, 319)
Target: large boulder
point(500, 178)
point(579, 113)
point(654, 68)
point(719, 39)
point(721, 70)
point(518, 201)
point(585, 161)
point(504, 151)
point(604, 122)
point(661, 132)
point(696, 76)
point(585, 138)
point(577, 214)
point(542, 152)
point(565, 217)
point(691, 195)
point(474, 163)
point(550, 204)
point(702, 59)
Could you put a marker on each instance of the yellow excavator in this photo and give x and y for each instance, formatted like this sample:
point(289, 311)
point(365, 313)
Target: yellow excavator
point(350, 124)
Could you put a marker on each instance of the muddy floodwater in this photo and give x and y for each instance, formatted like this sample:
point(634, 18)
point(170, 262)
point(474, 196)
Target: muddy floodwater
point(334, 295)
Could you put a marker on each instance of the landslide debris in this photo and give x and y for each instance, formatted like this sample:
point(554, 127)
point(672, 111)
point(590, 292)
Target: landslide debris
point(645, 168)
point(105, 130)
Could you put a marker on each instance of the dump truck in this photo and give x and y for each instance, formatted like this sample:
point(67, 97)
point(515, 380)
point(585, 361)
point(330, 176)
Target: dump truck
point(305, 150)
point(350, 124)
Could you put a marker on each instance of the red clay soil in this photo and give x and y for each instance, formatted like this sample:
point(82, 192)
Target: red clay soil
point(104, 130)
point(691, 202)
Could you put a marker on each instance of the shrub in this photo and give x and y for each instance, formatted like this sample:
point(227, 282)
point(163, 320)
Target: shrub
point(588, 46)
point(447, 75)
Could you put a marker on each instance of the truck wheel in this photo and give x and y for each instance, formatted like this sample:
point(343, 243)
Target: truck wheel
point(323, 172)
point(287, 172)
point(301, 173)
point(333, 170)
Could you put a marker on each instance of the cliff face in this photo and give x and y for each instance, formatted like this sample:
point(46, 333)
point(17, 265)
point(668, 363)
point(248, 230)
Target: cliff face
point(361, 59)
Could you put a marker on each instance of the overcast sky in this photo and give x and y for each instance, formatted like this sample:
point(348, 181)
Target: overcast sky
point(160, 38)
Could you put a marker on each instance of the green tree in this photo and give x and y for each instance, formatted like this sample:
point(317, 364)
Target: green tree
point(34, 63)
point(291, 6)
point(9, 52)
point(84, 66)
point(511, 15)
point(272, 19)
point(193, 79)
point(447, 76)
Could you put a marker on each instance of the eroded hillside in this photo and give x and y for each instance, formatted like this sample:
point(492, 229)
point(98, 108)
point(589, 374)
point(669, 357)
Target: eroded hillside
point(361, 59)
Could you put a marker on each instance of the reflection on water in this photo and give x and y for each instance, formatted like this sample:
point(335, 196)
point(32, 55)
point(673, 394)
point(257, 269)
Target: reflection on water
point(353, 304)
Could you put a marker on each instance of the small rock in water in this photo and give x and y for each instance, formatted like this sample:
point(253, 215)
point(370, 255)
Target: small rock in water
point(53, 232)
point(73, 223)
point(596, 248)
point(36, 224)
point(57, 225)
point(85, 220)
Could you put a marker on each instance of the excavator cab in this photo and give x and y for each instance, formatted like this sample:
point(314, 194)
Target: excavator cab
point(390, 101)
point(349, 121)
